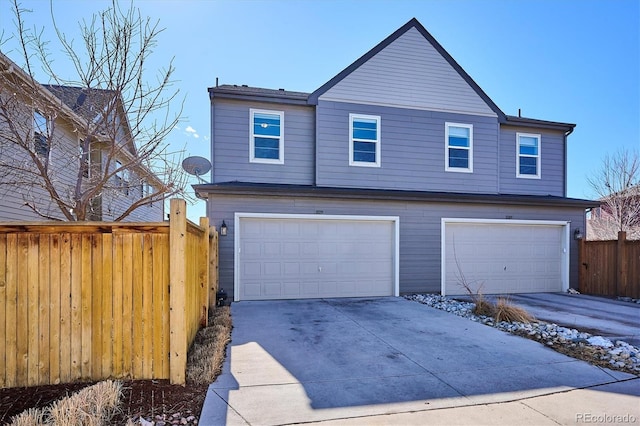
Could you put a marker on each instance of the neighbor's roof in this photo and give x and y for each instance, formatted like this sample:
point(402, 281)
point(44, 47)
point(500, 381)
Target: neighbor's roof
point(88, 103)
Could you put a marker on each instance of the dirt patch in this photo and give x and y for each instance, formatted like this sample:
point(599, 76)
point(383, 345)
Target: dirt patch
point(152, 399)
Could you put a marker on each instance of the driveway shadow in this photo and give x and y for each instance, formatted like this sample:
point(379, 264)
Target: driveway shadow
point(307, 360)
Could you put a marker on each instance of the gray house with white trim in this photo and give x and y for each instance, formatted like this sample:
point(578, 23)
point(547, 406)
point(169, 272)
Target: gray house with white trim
point(398, 175)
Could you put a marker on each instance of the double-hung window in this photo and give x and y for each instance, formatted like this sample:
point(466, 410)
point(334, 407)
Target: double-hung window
point(266, 144)
point(459, 147)
point(84, 159)
point(364, 140)
point(40, 134)
point(528, 156)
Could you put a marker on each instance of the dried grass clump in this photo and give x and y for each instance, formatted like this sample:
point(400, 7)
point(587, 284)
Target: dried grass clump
point(205, 358)
point(506, 311)
point(30, 417)
point(92, 406)
point(483, 306)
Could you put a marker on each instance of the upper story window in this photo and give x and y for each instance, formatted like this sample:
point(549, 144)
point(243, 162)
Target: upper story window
point(528, 156)
point(364, 140)
point(266, 142)
point(459, 147)
point(122, 178)
point(40, 134)
point(84, 159)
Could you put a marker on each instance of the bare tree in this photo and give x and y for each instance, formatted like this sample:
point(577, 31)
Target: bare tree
point(120, 114)
point(617, 186)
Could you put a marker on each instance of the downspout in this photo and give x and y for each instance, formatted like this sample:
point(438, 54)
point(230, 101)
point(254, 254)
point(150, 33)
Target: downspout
point(566, 135)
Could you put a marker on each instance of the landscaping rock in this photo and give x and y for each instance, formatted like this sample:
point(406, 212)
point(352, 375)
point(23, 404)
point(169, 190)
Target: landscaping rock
point(621, 355)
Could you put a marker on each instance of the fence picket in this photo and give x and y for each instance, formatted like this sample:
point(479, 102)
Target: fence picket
point(610, 268)
point(89, 301)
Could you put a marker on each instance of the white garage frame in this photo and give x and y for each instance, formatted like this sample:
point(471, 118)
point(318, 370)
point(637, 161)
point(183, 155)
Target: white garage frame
point(236, 240)
point(565, 242)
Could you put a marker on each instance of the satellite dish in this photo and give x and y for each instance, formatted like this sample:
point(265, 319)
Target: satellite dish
point(196, 166)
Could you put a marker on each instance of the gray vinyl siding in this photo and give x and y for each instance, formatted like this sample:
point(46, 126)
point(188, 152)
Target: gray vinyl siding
point(412, 150)
point(230, 144)
point(420, 228)
point(63, 165)
point(409, 73)
point(116, 201)
point(552, 164)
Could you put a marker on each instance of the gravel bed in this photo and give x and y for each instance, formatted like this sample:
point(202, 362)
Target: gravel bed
point(618, 354)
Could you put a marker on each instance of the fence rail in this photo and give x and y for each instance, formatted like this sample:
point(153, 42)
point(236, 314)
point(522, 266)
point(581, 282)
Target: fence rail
point(89, 301)
point(610, 268)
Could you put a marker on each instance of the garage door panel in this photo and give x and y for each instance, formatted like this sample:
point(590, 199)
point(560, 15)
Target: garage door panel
point(291, 269)
point(271, 249)
point(272, 288)
point(252, 270)
point(271, 268)
point(503, 258)
point(306, 258)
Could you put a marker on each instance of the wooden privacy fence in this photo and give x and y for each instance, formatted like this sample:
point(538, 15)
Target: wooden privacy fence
point(610, 268)
point(96, 300)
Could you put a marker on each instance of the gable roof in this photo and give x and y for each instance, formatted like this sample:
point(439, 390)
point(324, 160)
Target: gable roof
point(413, 23)
point(91, 105)
point(87, 103)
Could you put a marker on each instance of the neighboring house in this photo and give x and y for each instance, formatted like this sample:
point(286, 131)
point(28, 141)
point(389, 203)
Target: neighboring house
point(616, 212)
point(398, 175)
point(53, 117)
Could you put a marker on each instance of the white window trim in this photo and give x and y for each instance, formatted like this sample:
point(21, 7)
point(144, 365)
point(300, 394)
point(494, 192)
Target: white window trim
point(538, 157)
point(252, 151)
point(377, 141)
point(446, 148)
point(46, 134)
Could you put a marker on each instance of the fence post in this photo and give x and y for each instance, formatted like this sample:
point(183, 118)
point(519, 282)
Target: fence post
point(581, 266)
point(213, 268)
point(621, 265)
point(177, 291)
point(204, 271)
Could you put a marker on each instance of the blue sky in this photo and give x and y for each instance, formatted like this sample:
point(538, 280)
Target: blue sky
point(570, 61)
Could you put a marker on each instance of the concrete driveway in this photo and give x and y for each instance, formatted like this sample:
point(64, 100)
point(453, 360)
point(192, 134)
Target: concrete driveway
point(599, 316)
point(390, 361)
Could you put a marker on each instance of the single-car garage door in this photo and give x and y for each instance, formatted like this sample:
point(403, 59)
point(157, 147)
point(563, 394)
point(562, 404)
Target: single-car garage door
point(496, 257)
point(304, 256)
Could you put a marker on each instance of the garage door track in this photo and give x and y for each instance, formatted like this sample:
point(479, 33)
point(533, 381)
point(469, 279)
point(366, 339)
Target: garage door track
point(360, 359)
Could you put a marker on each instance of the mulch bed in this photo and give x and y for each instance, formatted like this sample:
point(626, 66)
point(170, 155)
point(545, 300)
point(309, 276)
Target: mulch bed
point(147, 398)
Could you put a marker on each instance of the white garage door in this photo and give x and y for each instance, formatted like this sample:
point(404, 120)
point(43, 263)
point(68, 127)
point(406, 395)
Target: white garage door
point(499, 257)
point(301, 257)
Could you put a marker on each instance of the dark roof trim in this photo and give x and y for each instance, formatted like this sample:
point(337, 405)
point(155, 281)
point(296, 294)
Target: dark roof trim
point(256, 94)
point(248, 189)
point(544, 124)
point(413, 23)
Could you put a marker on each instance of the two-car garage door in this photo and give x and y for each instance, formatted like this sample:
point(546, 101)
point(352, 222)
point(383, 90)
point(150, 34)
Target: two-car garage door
point(307, 256)
point(494, 256)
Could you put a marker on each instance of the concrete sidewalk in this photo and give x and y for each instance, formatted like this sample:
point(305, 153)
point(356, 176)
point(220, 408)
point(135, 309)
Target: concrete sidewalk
point(393, 361)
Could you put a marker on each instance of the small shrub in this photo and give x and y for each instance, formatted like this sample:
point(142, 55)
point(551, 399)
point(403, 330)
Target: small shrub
point(482, 306)
point(507, 311)
point(92, 406)
point(30, 417)
point(205, 358)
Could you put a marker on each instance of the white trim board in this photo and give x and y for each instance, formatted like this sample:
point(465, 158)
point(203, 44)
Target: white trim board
point(236, 239)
